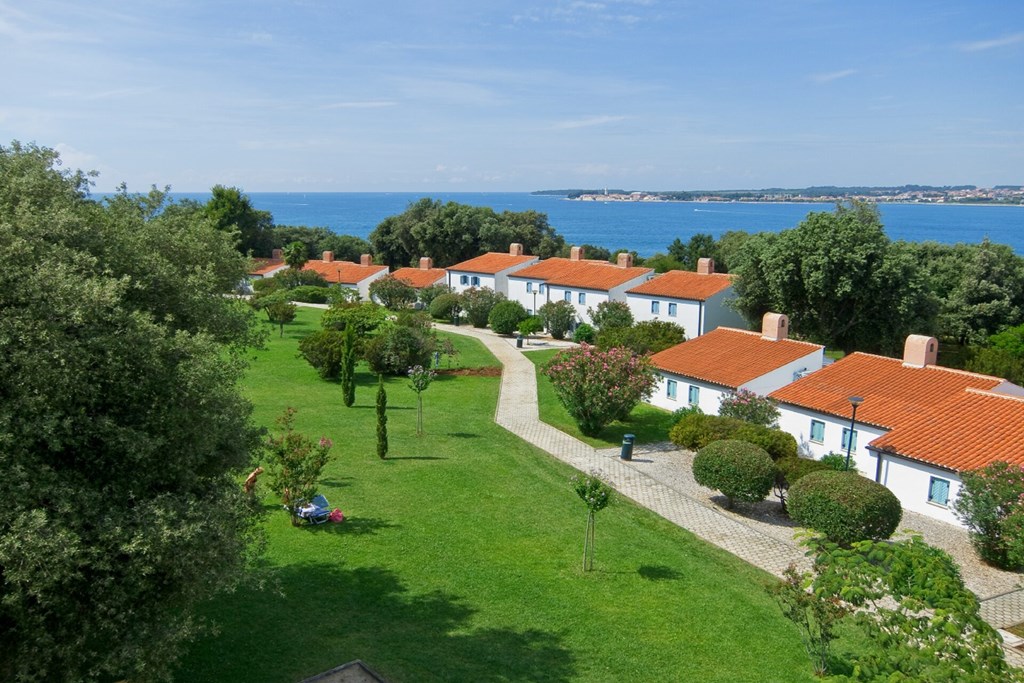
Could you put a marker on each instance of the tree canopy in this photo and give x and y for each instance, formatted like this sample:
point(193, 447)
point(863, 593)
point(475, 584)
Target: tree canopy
point(838, 278)
point(452, 232)
point(233, 212)
point(122, 431)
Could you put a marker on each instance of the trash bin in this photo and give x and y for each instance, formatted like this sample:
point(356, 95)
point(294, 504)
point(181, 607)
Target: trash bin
point(627, 447)
point(455, 320)
point(519, 341)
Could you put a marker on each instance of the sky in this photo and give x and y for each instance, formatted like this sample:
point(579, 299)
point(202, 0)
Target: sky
point(496, 95)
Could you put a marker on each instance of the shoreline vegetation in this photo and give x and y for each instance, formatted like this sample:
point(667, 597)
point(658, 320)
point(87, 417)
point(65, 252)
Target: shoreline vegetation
point(1000, 195)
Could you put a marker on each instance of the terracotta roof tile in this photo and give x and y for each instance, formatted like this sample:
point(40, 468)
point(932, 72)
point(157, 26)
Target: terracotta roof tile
point(263, 266)
point(343, 272)
point(893, 393)
point(968, 431)
point(491, 263)
point(684, 284)
point(585, 274)
point(421, 277)
point(730, 357)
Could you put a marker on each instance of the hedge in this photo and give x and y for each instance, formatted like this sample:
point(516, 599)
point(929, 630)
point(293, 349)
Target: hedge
point(696, 430)
point(844, 506)
point(739, 469)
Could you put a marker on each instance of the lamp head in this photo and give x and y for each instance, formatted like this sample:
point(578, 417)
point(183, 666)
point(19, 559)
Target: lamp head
point(855, 400)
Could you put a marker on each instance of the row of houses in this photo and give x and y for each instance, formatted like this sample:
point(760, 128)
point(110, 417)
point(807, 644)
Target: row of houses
point(694, 300)
point(917, 424)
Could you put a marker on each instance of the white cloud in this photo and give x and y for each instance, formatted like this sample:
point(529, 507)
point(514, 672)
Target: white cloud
point(588, 122)
point(73, 158)
point(832, 76)
point(980, 45)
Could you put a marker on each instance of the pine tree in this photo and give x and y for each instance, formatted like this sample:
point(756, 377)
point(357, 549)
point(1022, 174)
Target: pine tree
point(348, 366)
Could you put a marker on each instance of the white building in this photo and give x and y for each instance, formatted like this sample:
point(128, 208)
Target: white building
point(490, 270)
point(357, 276)
point(699, 372)
point(696, 301)
point(895, 397)
point(583, 283)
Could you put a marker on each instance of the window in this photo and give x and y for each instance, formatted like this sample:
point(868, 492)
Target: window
point(938, 491)
point(846, 439)
point(582, 298)
point(568, 296)
point(694, 397)
point(670, 389)
point(817, 431)
point(672, 308)
point(655, 307)
point(529, 311)
point(543, 288)
point(529, 287)
point(463, 279)
point(475, 281)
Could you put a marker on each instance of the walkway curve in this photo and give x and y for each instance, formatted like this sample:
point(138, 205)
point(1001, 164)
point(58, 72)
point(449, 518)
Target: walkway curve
point(518, 412)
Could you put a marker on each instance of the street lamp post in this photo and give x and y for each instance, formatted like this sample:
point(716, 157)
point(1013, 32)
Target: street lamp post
point(854, 401)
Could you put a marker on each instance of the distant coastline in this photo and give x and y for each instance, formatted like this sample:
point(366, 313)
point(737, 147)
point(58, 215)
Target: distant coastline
point(1001, 195)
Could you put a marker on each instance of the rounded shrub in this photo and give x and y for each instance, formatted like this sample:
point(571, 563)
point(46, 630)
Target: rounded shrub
point(790, 470)
point(778, 443)
point(844, 506)
point(443, 306)
point(583, 333)
point(739, 469)
point(505, 317)
point(695, 430)
point(394, 350)
point(323, 350)
point(310, 294)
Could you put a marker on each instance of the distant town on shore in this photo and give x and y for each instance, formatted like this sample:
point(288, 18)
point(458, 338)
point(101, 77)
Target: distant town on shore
point(912, 194)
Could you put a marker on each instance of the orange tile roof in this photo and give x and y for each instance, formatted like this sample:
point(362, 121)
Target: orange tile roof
point(893, 393)
point(968, 431)
point(343, 272)
point(585, 274)
point(262, 266)
point(685, 284)
point(730, 357)
point(491, 263)
point(421, 277)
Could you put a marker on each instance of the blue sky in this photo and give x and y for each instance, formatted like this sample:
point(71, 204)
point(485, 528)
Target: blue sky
point(337, 95)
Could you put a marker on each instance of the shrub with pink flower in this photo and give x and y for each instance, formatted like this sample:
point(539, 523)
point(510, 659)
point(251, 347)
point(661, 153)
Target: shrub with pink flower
point(750, 407)
point(598, 387)
point(295, 462)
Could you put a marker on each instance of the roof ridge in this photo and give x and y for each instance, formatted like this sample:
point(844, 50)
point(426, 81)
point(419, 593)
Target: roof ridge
point(994, 394)
point(761, 334)
point(936, 367)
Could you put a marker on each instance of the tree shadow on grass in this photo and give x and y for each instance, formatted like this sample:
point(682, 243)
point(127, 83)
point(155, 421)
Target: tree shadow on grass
point(657, 572)
point(321, 615)
point(414, 457)
point(352, 526)
point(463, 435)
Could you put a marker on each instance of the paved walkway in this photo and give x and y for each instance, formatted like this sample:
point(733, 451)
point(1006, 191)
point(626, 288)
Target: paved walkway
point(518, 412)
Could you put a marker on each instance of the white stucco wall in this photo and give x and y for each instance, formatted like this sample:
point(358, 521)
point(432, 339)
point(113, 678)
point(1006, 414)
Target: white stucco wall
point(910, 481)
point(780, 377)
point(593, 298)
point(454, 277)
point(687, 312)
point(797, 421)
point(364, 285)
point(708, 401)
point(717, 314)
point(531, 301)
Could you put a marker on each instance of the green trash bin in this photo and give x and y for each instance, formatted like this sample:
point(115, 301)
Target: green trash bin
point(627, 447)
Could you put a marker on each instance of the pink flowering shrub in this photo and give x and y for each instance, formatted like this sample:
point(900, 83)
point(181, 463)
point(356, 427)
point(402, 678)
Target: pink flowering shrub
point(295, 462)
point(749, 407)
point(598, 387)
point(990, 505)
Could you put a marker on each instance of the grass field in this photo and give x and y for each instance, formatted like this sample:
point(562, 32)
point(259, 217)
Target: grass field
point(460, 559)
point(647, 423)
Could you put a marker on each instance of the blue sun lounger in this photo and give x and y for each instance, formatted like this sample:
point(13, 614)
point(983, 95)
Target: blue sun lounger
point(316, 511)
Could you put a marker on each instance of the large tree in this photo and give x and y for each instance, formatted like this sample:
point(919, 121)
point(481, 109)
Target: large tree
point(840, 280)
point(122, 431)
point(232, 211)
point(452, 232)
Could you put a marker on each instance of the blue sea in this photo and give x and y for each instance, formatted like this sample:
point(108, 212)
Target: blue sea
point(646, 227)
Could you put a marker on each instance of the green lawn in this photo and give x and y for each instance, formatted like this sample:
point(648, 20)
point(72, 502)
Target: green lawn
point(460, 559)
point(647, 423)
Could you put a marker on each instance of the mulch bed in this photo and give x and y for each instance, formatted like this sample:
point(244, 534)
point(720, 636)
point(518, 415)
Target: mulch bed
point(471, 372)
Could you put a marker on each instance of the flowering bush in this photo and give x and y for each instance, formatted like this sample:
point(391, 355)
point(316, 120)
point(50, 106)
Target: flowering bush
point(596, 495)
point(296, 462)
point(597, 387)
point(419, 381)
point(990, 504)
point(749, 407)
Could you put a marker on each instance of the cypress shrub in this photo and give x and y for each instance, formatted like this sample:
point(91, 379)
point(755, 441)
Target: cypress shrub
point(739, 469)
point(844, 506)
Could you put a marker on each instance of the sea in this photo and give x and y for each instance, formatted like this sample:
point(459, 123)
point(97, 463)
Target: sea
point(644, 227)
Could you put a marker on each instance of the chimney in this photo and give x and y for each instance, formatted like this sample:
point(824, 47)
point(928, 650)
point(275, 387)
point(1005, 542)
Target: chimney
point(426, 263)
point(625, 260)
point(515, 249)
point(705, 266)
point(329, 256)
point(576, 254)
point(920, 351)
point(774, 327)
point(366, 260)
point(277, 253)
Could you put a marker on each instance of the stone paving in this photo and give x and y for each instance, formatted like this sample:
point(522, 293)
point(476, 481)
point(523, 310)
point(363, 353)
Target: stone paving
point(517, 412)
